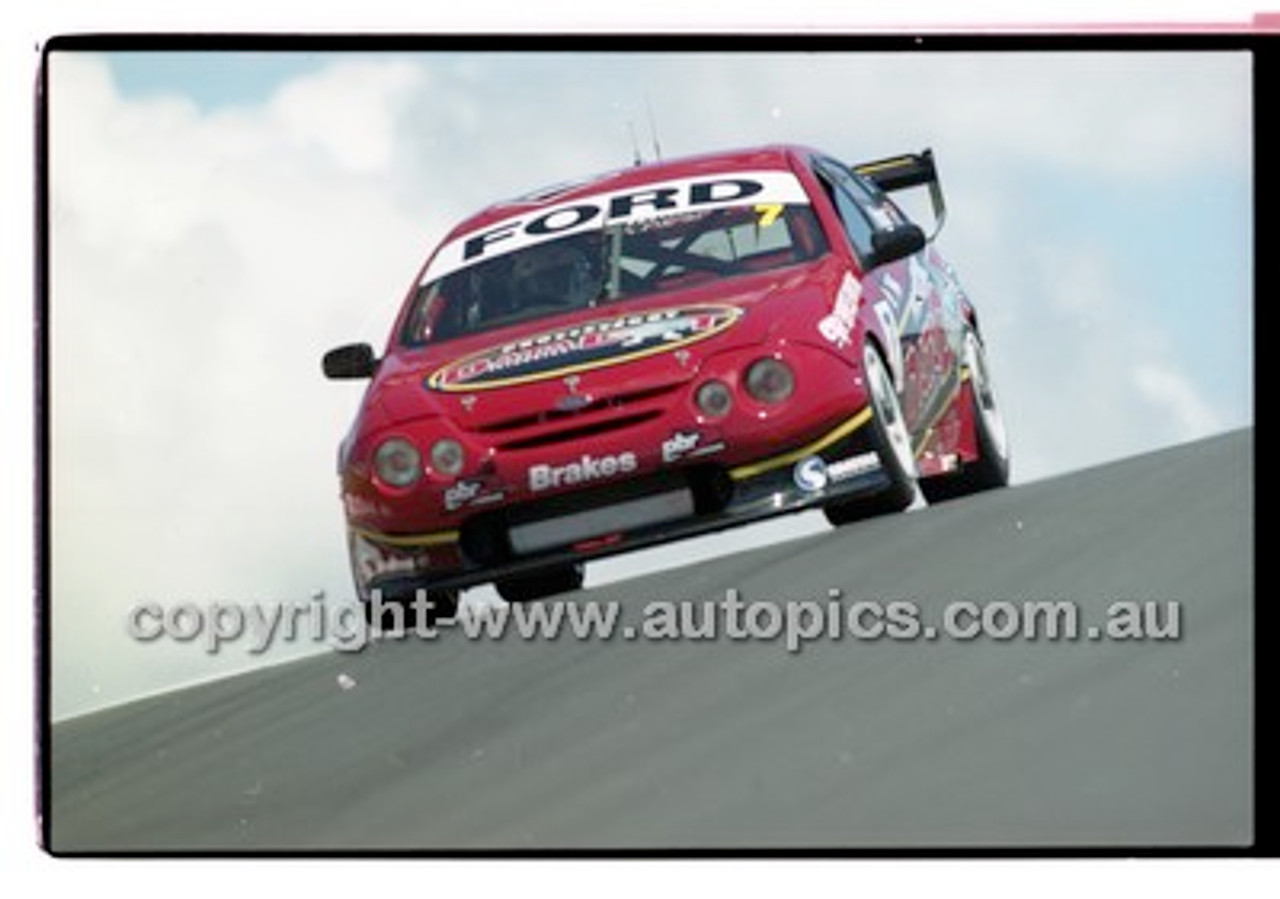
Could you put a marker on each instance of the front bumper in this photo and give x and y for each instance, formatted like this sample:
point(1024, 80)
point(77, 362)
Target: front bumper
point(679, 503)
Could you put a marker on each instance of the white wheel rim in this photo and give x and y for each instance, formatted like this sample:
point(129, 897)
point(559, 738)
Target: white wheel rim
point(985, 396)
point(885, 401)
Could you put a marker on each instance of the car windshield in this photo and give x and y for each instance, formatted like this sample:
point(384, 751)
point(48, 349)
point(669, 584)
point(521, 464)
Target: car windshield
point(619, 262)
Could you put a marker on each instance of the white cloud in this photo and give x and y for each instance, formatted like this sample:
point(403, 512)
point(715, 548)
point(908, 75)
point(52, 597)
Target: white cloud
point(350, 109)
point(1133, 115)
point(1178, 398)
point(200, 264)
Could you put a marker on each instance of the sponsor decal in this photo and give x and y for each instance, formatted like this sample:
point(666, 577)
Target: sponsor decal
point(630, 207)
point(461, 493)
point(468, 493)
point(837, 327)
point(921, 282)
point(892, 289)
point(852, 467)
point(907, 302)
point(686, 444)
point(680, 443)
point(373, 560)
point(810, 474)
point(592, 344)
point(588, 468)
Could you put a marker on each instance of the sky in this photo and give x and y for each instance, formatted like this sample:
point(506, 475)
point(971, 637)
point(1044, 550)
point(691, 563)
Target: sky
point(217, 221)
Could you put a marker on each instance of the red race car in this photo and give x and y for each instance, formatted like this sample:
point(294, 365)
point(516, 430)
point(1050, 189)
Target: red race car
point(662, 351)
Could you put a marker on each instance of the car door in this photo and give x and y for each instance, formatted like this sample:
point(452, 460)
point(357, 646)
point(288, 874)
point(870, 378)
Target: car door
point(905, 295)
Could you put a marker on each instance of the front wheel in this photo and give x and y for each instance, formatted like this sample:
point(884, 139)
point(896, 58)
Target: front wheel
point(541, 583)
point(892, 443)
point(991, 469)
point(398, 613)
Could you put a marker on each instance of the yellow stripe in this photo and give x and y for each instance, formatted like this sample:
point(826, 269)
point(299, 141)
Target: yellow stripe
point(437, 538)
point(743, 472)
point(884, 164)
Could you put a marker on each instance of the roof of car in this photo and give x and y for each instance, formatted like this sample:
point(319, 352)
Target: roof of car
point(774, 156)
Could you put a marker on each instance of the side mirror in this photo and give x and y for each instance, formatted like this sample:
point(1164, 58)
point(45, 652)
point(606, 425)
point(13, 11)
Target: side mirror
point(897, 243)
point(355, 360)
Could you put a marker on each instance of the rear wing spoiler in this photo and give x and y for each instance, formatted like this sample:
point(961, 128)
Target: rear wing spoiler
point(910, 170)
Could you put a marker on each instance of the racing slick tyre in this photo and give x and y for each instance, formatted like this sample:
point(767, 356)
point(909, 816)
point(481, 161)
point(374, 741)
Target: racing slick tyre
point(892, 443)
point(991, 469)
point(400, 613)
point(541, 583)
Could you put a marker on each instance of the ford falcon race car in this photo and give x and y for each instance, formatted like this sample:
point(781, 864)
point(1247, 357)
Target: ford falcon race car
point(662, 351)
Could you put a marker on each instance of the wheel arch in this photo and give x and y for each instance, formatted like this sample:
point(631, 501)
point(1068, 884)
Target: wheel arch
point(873, 336)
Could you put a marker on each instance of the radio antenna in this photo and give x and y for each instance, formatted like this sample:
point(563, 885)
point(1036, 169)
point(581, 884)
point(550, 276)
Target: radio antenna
point(635, 144)
point(653, 129)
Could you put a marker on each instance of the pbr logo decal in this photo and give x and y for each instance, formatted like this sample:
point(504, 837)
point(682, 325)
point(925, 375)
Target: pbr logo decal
point(687, 444)
point(592, 344)
point(469, 493)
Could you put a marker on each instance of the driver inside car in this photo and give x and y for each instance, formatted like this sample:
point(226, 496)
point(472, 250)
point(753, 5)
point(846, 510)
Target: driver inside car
point(557, 274)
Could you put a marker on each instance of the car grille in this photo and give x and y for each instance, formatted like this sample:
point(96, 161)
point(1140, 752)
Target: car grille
point(579, 431)
point(552, 426)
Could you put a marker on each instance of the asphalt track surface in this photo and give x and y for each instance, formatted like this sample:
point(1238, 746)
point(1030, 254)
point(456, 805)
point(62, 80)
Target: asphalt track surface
point(455, 745)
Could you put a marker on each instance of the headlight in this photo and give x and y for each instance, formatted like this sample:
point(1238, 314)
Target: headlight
point(447, 457)
point(398, 463)
point(714, 399)
point(770, 380)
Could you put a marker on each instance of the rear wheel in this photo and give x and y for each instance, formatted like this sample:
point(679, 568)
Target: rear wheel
point(991, 469)
point(892, 443)
point(541, 583)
